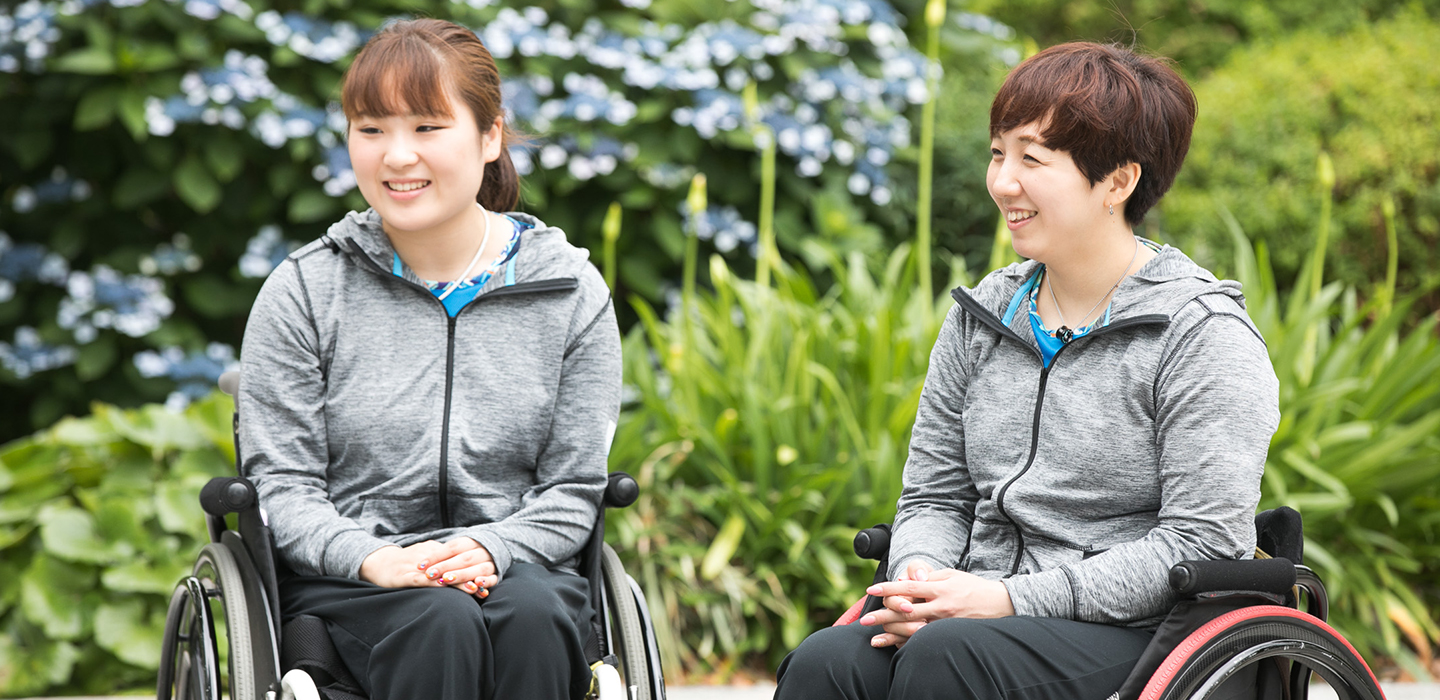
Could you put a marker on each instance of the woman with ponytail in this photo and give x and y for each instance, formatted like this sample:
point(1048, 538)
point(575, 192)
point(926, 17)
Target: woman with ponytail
point(429, 393)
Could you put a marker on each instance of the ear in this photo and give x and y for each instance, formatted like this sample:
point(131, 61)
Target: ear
point(493, 139)
point(1121, 183)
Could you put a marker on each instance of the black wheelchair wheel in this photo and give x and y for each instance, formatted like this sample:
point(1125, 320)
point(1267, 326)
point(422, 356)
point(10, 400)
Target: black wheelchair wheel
point(190, 658)
point(1224, 647)
point(629, 625)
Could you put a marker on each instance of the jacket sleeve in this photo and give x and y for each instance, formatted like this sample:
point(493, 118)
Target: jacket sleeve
point(1216, 408)
point(557, 514)
point(937, 501)
point(283, 434)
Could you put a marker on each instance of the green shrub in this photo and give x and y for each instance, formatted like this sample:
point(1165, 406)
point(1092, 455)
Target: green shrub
point(1198, 35)
point(99, 519)
point(1368, 99)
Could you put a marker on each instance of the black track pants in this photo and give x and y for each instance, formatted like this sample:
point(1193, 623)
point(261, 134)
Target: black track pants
point(1012, 658)
point(524, 641)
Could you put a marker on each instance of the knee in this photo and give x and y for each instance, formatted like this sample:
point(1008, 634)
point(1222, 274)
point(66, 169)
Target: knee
point(959, 643)
point(450, 614)
point(831, 653)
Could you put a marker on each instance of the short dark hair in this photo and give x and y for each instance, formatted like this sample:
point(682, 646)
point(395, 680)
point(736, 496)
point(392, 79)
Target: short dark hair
point(1106, 106)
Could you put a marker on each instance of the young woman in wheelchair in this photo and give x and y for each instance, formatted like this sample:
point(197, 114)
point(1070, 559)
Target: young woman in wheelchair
point(1090, 417)
point(429, 392)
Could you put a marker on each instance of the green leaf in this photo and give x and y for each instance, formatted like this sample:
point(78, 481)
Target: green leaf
point(92, 60)
point(132, 114)
point(194, 183)
point(722, 547)
point(35, 668)
point(159, 429)
point(69, 533)
point(139, 185)
point(311, 205)
point(224, 157)
point(121, 629)
point(51, 593)
point(146, 577)
point(95, 358)
point(177, 505)
point(96, 108)
point(82, 432)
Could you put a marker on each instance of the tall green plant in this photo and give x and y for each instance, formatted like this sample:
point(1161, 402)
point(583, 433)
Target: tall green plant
point(1357, 451)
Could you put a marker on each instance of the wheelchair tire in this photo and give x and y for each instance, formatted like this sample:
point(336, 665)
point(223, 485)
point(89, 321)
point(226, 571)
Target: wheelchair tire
point(216, 576)
point(1238, 639)
point(630, 642)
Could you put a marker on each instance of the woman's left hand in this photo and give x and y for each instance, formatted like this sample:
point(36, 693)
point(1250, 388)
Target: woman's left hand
point(943, 594)
point(464, 564)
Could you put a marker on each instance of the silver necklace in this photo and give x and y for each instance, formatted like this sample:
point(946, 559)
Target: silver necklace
point(485, 238)
point(1064, 333)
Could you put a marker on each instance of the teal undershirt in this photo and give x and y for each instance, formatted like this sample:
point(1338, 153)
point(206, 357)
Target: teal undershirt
point(461, 297)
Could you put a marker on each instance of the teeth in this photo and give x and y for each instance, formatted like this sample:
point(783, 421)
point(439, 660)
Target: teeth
point(1014, 216)
point(406, 187)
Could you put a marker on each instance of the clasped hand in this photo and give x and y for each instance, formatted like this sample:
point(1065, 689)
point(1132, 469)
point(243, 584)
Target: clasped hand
point(920, 596)
point(461, 563)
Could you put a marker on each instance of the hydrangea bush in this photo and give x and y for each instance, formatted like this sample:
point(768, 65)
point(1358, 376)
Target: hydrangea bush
point(162, 156)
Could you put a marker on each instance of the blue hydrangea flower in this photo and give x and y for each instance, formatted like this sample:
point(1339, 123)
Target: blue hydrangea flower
point(194, 373)
point(133, 305)
point(29, 354)
point(264, 252)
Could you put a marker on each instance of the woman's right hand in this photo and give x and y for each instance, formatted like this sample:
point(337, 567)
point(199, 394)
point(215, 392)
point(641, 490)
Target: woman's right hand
point(897, 632)
point(405, 567)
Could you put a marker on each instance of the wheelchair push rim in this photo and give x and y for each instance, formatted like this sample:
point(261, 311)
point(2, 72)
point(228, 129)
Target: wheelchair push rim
point(1244, 637)
point(190, 658)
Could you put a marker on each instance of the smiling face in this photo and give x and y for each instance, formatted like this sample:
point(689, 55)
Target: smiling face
point(1050, 207)
point(421, 172)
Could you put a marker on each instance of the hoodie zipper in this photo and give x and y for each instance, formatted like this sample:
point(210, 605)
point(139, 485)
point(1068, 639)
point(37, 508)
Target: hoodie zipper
point(536, 287)
point(988, 318)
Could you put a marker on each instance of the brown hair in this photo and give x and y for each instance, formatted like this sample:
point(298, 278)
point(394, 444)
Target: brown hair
point(411, 66)
point(1106, 106)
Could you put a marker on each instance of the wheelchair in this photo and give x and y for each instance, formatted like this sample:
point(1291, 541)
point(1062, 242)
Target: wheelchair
point(230, 602)
point(1238, 631)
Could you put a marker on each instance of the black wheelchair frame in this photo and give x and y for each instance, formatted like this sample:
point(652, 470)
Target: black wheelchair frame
point(1238, 632)
point(237, 571)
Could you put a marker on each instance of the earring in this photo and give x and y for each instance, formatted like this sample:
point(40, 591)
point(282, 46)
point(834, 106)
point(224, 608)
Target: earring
point(1112, 210)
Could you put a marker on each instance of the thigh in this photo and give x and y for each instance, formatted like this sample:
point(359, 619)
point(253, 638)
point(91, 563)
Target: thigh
point(537, 598)
point(1015, 658)
point(836, 663)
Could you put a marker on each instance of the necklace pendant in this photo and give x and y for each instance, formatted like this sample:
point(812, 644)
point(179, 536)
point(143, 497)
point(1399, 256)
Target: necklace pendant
point(1064, 334)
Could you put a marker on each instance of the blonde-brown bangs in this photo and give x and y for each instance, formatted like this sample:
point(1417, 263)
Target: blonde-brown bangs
point(396, 75)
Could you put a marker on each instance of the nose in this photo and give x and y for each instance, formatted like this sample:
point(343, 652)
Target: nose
point(399, 153)
point(1002, 179)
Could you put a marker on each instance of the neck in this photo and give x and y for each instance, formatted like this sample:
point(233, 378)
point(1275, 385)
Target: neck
point(1083, 280)
point(442, 253)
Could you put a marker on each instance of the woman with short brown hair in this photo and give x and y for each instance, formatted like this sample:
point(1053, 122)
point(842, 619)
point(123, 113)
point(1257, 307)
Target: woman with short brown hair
point(1090, 417)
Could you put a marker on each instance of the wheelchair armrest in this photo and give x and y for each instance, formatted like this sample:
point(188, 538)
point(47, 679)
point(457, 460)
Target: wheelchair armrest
point(621, 490)
point(873, 542)
point(1189, 578)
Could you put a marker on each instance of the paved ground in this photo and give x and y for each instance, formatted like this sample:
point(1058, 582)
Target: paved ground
point(1393, 691)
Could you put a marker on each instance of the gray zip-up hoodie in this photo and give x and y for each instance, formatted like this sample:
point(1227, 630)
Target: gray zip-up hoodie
point(1080, 485)
point(369, 417)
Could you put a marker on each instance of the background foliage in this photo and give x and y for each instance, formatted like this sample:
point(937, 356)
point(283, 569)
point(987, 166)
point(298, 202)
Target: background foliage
point(160, 157)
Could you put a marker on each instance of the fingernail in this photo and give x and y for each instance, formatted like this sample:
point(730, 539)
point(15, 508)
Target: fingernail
point(449, 578)
point(867, 620)
point(484, 593)
point(432, 573)
point(422, 565)
point(905, 607)
point(873, 590)
point(920, 575)
point(876, 641)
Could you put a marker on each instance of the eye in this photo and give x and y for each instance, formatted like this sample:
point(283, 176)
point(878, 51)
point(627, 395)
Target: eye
point(427, 128)
point(995, 153)
point(368, 130)
point(1032, 159)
